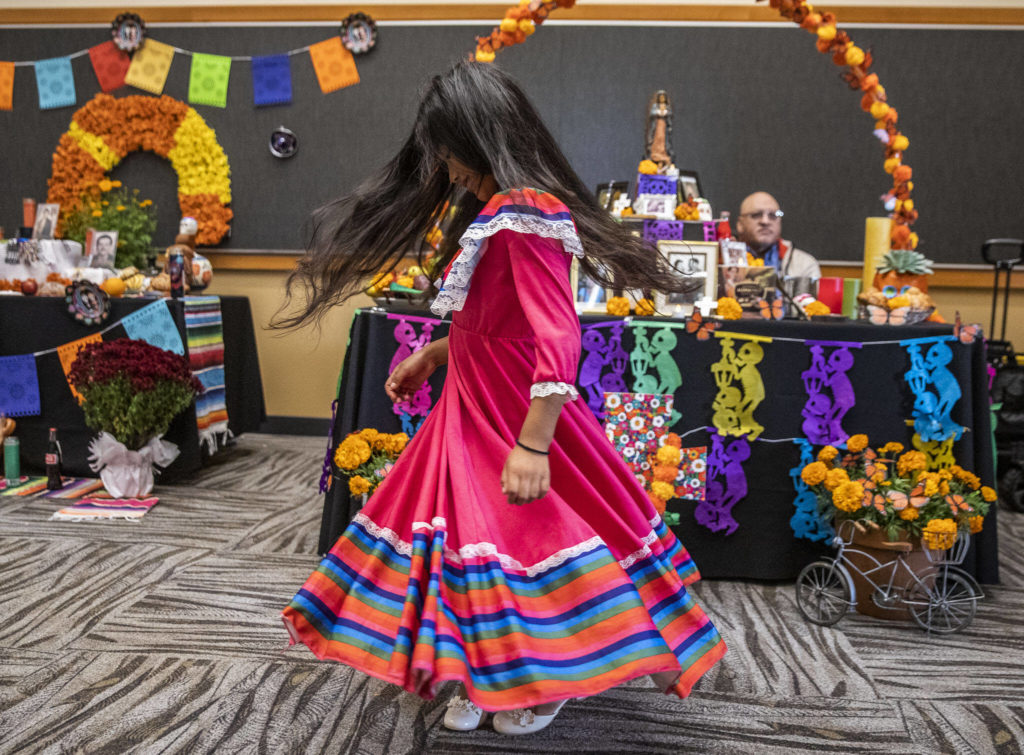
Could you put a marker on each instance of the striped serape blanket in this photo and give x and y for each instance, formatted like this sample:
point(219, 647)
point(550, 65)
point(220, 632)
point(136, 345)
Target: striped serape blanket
point(205, 338)
point(76, 487)
point(24, 485)
point(99, 509)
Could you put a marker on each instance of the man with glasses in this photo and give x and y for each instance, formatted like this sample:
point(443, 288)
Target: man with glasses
point(759, 226)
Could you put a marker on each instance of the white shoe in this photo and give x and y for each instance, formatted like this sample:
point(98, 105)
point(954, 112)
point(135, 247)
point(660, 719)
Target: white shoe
point(463, 715)
point(523, 720)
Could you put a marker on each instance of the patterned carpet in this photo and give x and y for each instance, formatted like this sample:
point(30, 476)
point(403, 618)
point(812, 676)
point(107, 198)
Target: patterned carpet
point(163, 636)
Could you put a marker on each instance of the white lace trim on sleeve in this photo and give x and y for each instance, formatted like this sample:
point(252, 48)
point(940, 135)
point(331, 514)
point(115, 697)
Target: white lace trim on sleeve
point(549, 388)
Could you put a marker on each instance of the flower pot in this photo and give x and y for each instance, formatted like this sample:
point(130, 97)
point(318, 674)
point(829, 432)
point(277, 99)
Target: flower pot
point(899, 280)
point(127, 473)
point(875, 544)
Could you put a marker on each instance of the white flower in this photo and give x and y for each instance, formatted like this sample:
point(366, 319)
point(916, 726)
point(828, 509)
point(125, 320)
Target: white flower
point(612, 400)
point(658, 421)
point(655, 403)
point(624, 439)
point(645, 465)
point(649, 435)
point(628, 452)
point(698, 465)
point(621, 417)
point(636, 424)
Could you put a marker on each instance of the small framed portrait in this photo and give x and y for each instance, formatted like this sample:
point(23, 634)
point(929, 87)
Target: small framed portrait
point(696, 261)
point(589, 294)
point(46, 221)
point(358, 33)
point(657, 205)
point(102, 249)
point(609, 193)
point(748, 286)
point(128, 31)
point(689, 186)
point(734, 253)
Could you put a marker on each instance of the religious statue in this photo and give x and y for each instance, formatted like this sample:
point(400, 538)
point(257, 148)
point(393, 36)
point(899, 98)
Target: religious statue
point(659, 131)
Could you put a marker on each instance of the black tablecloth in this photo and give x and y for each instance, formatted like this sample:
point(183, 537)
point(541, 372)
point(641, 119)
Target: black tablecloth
point(36, 323)
point(764, 545)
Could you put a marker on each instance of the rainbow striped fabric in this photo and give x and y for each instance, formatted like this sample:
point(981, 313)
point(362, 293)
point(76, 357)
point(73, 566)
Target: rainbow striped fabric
point(205, 338)
point(106, 509)
point(577, 624)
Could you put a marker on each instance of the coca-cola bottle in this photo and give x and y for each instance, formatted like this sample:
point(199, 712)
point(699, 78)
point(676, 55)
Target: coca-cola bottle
point(53, 459)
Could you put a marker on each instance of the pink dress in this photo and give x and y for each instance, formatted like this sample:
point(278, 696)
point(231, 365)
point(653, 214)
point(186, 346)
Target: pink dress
point(440, 578)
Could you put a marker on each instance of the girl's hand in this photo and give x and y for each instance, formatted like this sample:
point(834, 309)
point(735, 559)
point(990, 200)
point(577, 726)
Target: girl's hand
point(408, 376)
point(525, 477)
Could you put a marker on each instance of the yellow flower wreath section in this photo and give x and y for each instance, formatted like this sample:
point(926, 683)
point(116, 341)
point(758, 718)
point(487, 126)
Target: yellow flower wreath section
point(107, 129)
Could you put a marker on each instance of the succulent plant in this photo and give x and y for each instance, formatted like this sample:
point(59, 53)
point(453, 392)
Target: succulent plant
point(906, 262)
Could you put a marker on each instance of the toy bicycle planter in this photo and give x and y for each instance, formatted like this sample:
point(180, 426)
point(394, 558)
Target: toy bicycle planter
point(939, 596)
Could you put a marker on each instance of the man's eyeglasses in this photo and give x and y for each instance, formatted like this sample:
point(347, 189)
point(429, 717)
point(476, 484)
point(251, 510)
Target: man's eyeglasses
point(769, 214)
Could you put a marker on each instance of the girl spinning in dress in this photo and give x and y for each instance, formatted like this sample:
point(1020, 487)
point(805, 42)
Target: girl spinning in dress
point(510, 548)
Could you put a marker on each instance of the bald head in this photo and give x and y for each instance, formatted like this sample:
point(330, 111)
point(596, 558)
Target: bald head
point(760, 223)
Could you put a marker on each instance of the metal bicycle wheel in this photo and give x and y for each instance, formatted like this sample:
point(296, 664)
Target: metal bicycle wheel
point(947, 606)
point(823, 592)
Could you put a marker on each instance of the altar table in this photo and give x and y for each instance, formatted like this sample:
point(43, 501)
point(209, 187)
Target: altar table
point(764, 545)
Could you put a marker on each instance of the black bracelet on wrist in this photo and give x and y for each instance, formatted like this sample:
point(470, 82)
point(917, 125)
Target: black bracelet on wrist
point(532, 450)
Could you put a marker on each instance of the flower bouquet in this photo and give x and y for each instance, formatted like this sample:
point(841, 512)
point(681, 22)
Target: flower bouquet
point(130, 391)
point(366, 456)
point(107, 206)
point(893, 490)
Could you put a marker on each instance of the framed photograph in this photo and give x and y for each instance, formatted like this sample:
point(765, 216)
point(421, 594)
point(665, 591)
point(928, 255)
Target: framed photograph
point(46, 221)
point(689, 185)
point(102, 249)
point(734, 253)
point(658, 205)
point(590, 296)
point(748, 286)
point(696, 261)
point(608, 193)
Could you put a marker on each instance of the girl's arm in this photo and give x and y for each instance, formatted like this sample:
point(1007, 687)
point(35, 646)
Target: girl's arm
point(413, 371)
point(527, 474)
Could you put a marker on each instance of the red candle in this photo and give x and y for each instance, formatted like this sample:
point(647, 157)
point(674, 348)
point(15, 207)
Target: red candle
point(28, 212)
point(830, 293)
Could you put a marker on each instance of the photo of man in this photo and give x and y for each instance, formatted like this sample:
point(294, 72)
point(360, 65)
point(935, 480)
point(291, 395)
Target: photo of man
point(103, 249)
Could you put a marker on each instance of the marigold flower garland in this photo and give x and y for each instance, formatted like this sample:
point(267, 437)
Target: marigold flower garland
point(366, 456)
point(845, 53)
point(520, 22)
point(107, 129)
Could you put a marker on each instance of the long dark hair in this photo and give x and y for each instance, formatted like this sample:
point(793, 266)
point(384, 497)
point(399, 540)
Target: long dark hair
point(481, 116)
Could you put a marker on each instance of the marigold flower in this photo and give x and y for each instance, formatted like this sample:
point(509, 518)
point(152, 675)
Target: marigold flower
point(827, 454)
point(358, 485)
point(371, 436)
point(911, 461)
point(106, 185)
point(988, 494)
point(668, 455)
point(857, 443)
point(729, 308)
point(672, 439)
point(395, 443)
point(97, 213)
point(352, 452)
point(120, 208)
point(939, 534)
point(817, 308)
point(975, 524)
point(848, 496)
point(659, 503)
point(665, 473)
point(814, 473)
point(891, 447)
point(618, 306)
point(909, 514)
point(663, 490)
point(645, 307)
point(835, 477)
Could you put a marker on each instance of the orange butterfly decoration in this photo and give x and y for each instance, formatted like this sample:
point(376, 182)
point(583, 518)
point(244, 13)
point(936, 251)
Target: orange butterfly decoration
point(899, 499)
point(874, 498)
point(695, 323)
point(773, 311)
point(957, 503)
point(883, 316)
point(966, 333)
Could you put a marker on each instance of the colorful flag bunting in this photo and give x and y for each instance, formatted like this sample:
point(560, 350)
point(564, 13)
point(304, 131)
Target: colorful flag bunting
point(149, 67)
point(155, 325)
point(271, 80)
point(208, 81)
point(110, 65)
point(19, 386)
point(334, 65)
point(6, 85)
point(67, 354)
point(56, 83)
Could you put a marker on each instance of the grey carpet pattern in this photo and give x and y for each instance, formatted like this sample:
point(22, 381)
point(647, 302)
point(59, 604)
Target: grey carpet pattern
point(164, 637)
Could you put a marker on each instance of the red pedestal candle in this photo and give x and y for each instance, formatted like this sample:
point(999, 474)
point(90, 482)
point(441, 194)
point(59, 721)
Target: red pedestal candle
point(830, 293)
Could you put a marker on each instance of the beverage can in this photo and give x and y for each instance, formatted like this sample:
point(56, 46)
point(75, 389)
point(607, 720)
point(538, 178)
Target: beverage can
point(12, 459)
point(176, 272)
